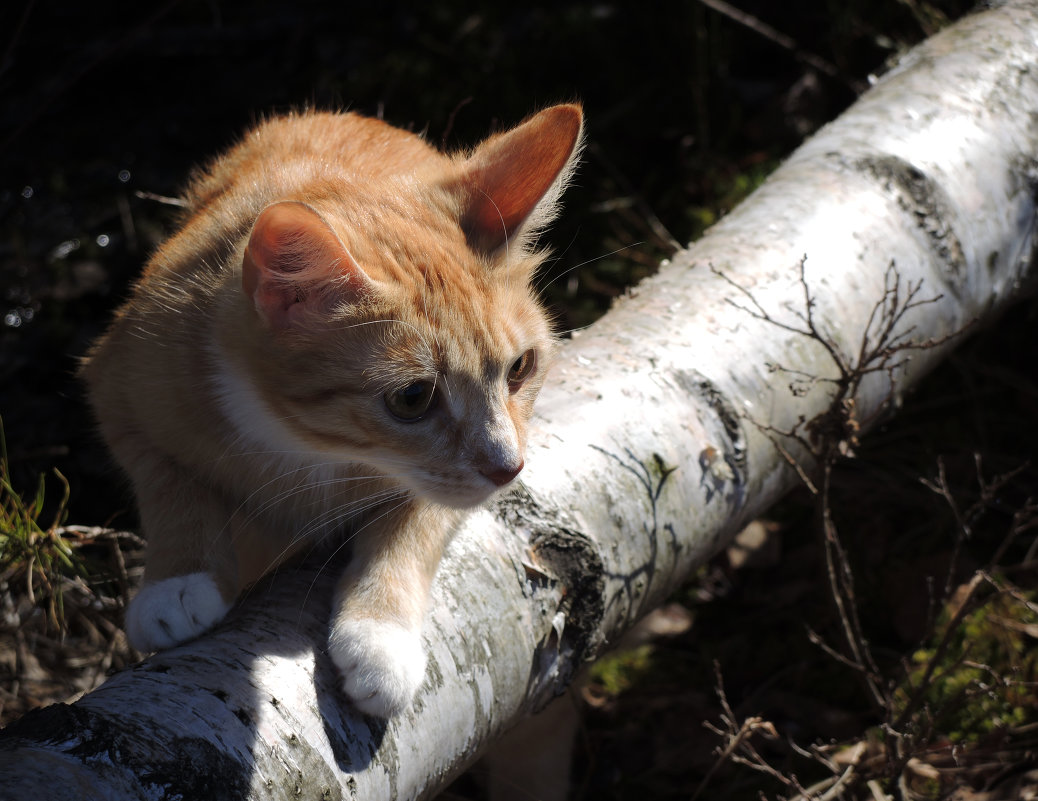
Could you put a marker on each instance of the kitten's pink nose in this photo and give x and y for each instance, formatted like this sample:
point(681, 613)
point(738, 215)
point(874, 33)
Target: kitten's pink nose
point(503, 475)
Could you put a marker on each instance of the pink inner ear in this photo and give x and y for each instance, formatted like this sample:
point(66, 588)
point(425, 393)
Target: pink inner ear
point(512, 172)
point(293, 263)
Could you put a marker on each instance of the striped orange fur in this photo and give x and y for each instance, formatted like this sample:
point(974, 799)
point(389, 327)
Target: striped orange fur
point(340, 343)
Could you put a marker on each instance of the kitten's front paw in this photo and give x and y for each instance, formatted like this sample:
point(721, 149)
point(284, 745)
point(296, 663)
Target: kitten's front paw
point(382, 664)
point(170, 611)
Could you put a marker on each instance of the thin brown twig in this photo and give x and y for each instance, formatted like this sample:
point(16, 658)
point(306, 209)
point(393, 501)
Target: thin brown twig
point(785, 42)
point(886, 343)
point(841, 587)
point(16, 35)
point(649, 216)
point(736, 737)
point(965, 607)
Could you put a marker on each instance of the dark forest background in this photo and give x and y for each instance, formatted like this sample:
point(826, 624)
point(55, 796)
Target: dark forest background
point(105, 105)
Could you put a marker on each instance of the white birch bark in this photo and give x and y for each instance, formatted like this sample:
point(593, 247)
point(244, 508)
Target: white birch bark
point(646, 459)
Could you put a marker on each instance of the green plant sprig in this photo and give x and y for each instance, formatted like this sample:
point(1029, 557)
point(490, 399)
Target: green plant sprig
point(38, 555)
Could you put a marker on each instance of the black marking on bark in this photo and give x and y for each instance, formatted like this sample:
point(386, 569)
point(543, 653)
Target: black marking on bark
point(652, 476)
point(47, 726)
point(922, 198)
point(153, 665)
point(124, 752)
point(570, 557)
point(732, 450)
point(1025, 170)
point(197, 769)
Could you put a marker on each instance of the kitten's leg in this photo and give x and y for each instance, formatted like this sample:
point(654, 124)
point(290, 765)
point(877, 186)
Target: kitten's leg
point(380, 603)
point(191, 576)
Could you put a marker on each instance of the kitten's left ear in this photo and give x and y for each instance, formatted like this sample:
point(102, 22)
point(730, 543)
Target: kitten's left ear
point(511, 184)
point(295, 267)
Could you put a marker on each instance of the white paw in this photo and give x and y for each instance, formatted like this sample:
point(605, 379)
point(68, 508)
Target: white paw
point(173, 610)
point(382, 664)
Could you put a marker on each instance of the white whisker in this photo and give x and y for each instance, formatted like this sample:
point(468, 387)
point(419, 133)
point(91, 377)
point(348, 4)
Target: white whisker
point(572, 330)
point(331, 519)
point(406, 498)
point(501, 217)
point(546, 281)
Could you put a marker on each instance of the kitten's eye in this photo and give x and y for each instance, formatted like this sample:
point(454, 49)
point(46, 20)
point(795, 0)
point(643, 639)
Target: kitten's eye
point(521, 369)
point(410, 404)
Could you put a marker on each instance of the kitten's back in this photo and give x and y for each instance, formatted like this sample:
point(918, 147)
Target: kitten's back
point(283, 151)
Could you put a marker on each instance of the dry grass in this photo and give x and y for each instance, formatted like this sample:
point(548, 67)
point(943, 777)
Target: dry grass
point(46, 659)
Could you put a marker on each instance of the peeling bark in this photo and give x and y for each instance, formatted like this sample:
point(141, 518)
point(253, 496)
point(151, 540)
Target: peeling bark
point(648, 456)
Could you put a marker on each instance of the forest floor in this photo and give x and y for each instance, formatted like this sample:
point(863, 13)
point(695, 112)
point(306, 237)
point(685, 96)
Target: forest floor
point(689, 108)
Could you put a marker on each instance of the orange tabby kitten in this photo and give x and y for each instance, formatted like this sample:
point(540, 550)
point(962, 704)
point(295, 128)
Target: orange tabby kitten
point(341, 339)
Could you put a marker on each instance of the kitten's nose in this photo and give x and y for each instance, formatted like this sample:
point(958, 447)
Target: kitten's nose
point(502, 475)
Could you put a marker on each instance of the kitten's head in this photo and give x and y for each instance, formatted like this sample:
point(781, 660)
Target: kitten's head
point(395, 324)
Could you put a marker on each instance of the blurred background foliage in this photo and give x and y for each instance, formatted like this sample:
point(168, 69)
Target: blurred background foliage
point(106, 106)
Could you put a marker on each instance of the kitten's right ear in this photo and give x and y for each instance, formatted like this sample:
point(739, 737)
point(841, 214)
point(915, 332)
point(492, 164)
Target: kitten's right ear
point(511, 183)
point(295, 267)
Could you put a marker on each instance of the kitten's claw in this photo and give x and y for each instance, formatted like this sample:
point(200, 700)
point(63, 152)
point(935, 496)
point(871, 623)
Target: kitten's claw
point(382, 664)
point(173, 610)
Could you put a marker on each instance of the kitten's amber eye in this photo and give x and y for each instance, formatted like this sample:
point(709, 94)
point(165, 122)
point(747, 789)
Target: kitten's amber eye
point(521, 369)
point(411, 403)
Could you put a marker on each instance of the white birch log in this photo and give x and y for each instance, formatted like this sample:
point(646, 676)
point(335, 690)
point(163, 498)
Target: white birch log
point(647, 457)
